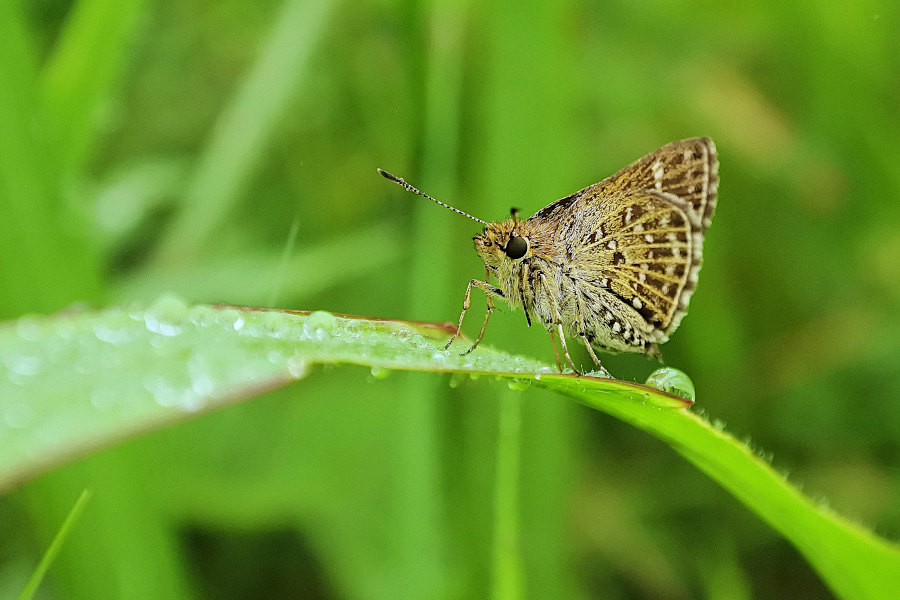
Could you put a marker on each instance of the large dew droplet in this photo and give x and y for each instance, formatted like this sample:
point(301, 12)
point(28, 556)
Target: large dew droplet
point(672, 381)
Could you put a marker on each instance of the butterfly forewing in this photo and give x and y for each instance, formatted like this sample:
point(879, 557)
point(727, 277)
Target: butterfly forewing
point(687, 169)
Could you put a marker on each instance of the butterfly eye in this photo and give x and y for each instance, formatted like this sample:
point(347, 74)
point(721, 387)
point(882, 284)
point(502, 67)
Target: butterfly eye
point(516, 247)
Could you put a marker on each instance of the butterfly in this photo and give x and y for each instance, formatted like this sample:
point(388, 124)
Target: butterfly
point(614, 264)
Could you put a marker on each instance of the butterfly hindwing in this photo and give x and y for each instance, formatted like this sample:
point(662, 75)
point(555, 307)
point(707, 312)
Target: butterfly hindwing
point(641, 252)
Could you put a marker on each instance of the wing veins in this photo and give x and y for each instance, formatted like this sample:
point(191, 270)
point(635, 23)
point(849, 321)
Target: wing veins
point(655, 275)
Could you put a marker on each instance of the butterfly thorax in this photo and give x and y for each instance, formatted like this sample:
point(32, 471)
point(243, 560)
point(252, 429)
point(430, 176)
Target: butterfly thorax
point(530, 281)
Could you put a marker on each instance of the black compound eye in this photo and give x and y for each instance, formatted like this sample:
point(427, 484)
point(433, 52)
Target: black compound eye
point(516, 247)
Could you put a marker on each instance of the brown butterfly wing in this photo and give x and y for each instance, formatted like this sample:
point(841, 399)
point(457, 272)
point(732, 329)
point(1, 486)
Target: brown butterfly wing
point(642, 252)
point(638, 234)
point(687, 169)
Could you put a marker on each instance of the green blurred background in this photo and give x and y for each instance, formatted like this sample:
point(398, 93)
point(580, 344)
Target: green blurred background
point(226, 151)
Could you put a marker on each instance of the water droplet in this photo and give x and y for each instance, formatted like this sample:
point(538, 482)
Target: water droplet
point(380, 372)
point(165, 315)
point(24, 365)
point(298, 367)
point(202, 383)
point(110, 335)
point(321, 319)
point(201, 316)
point(672, 381)
point(169, 307)
point(518, 384)
point(227, 317)
point(598, 374)
point(29, 329)
point(457, 378)
point(65, 329)
point(169, 395)
point(275, 357)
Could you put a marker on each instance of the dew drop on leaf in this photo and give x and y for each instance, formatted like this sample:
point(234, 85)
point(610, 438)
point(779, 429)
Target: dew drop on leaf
point(380, 372)
point(672, 381)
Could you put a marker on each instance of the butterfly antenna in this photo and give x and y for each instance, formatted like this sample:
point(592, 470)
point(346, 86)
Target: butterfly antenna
point(400, 181)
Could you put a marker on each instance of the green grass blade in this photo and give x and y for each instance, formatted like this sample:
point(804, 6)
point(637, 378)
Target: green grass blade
point(79, 76)
point(19, 178)
point(852, 560)
point(426, 534)
point(45, 265)
point(76, 381)
point(245, 127)
point(507, 575)
point(35, 581)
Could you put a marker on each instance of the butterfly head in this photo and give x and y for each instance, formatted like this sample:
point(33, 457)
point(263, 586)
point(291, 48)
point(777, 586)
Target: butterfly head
point(503, 243)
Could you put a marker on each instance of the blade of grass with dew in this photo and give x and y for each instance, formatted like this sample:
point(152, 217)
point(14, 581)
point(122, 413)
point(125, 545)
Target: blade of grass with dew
point(132, 369)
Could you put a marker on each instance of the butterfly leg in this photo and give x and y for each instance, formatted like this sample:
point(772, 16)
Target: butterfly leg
point(582, 329)
point(565, 349)
point(489, 292)
point(554, 323)
point(590, 350)
point(555, 349)
point(487, 316)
